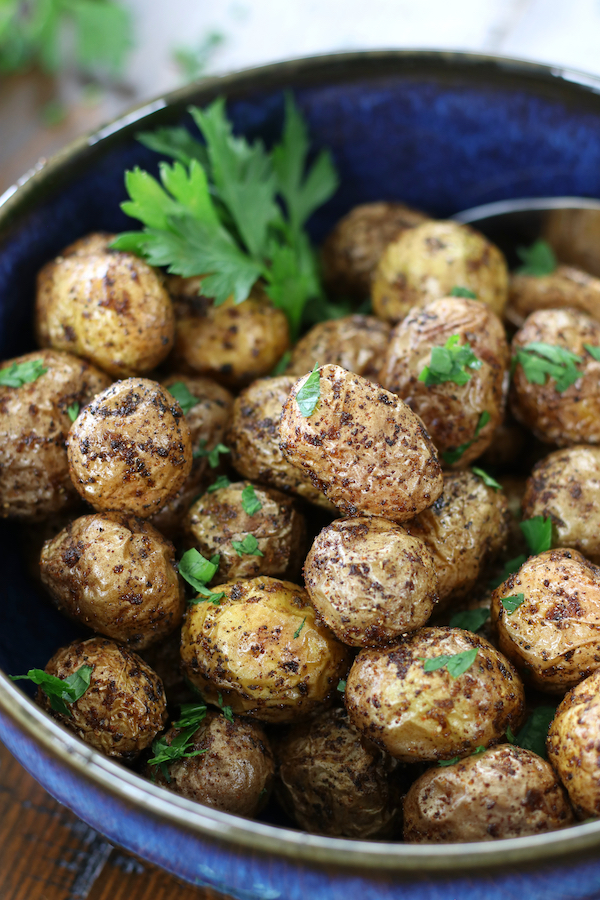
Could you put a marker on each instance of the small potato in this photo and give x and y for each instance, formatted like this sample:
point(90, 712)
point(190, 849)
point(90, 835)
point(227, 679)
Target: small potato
point(370, 581)
point(426, 262)
point(232, 343)
point(565, 287)
point(356, 343)
point(124, 707)
point(553, 636)
point(332, 781)
point(418, 715)
point(117, 575)
point(452, 413)
point(107, 306)
point(130, 449)
point(573, 415)
point(218, 518)
point(506, 792)
point(574, 235)
point(262, 650)
point(362, 447)
point(34, 423)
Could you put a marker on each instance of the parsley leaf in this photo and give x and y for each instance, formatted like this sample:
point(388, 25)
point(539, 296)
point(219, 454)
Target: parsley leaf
point(22, 373)
point(449, 762)
point(534, 732)
point(280, 367)
point(512, 603)
point(509, 735)
point(165, 752)
point(341, 687)
point(226, 710)
point(221, 482)
point(183, 395)
point(452, 456)
point(593, 351)
point(538, 533)
point(175, 142)
point(60, 691)
point(73, 411)
point(299, 629)
point(470, 619)
point(449, 363)
point(458, 291)
point(213, 455)
point(248, 545)
point(309, 394)
point(250, 502)
point(457, 664)
point(510, 567)
point(190, 714)
point(487, 479)
point(541, 361)
point(538, 259)
point(198, 571)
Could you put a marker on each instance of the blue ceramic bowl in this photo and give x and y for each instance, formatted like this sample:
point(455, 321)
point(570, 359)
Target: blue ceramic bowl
point(441, 132)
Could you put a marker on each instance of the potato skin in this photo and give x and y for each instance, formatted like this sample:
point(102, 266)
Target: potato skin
point(553, 637)
point(34, 423)
point(370, 581)
point(417, 715)
point(124, 707)
point(262, 651)
point(451, 412)
point(362, 447)
point(356, 343)
point(130, 449)
point(333, 782)
point(505, 792)
point(106, 306)
point(565, 287)
point(426, 262)
point(117, 575)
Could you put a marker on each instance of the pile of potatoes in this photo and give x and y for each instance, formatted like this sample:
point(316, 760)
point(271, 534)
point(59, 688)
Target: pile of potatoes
point(351, 540)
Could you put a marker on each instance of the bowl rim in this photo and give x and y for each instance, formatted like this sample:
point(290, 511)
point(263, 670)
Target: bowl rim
point(126, 786)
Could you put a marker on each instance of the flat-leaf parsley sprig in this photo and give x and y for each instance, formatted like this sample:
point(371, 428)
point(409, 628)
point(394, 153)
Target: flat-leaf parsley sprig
point(450, 363)
point(541, 361)
point(19, 374)
point(538, 259)
point(198, 571)
point(309, 394)
point(60, 691)
point(192, 715)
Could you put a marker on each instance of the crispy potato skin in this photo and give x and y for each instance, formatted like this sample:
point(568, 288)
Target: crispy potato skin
point(262, 651)
point(219, 518)
point(362, 447)
point(426, 262)
point(570, 417)
point(565, 287)
point(553, 637)
point(124, 707)
point(234, 773)
point(417, 715)
point(332, 781)
point(34, 423)
point(130, 449)
point(506, 792)
point(107, 306)
point(117, 575)
point(370, 581)
point(465, 529)
point(451, 412)
point(356, 343)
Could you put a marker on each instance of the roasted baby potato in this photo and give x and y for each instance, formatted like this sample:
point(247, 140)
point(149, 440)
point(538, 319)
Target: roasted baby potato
point(356, 343)
point(370, 581)
point(107, 306)
point(565, 287)
point(262, 651)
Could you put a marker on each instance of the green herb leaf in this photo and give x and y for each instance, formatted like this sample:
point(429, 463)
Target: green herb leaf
point(341, 687)
point(470, 619)
point(541, 361)
point(538, 533)
point(534, 732)
point(22, 373)
point(221, 482)
point(248, 546)
point(183, 395)
point(456, 664)
point(510, 736)
point(213, 455)
point(250, 502)
point(449, 762)
point(60, 691)
point(73, 411)
point(198, 571)
point(226, 710)
point(593, 351)
point(458, 291)
point(299, 629)
point(190, 714)
point(452, 456)
point(484, 418)
point(512, 603)
point(450, 362)
point(487, 479)
point(309, 394)
point(510, 567)
point(280, 367)
point(175, 142)
point(478, 750)
point(538, 259)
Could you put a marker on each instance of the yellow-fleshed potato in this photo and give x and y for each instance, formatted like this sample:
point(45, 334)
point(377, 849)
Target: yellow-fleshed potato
point(505, 792)
point(124, 707)
point(565, 287)
point(426, 262)
point(452, 413)
point(553, 635)
point(262, 651)
point(107, 306)
point(232, 343)
point(416, 714)
point(117, 575)
point(352, 249)
point(34, 423)
point(571, 416)
point(465, 529)
point(219, 517)
point(370, 581)
point(362, 447)
point(356, 343)
point(130, 449)
point(332, 781)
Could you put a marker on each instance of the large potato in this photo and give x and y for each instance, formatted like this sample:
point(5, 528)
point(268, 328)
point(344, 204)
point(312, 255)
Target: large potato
point(356, 343)
point(107, 306)
point(262, 651)
point(565, 287)
point(362, 447)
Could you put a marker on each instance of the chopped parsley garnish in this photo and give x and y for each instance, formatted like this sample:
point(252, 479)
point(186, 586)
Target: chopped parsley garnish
point(458, 291)
point(213, 455)
point(450, 363)
point(22, 373)
point(250, 502)
point(512, 603)
point(280, 367)
point(541, 361)
point(299, 629)
point(510, 736)
point(226, 710)
point(73, 411)
point(538, 259)
point(534, 732)
point(593, 351)
point(198, 571)
point(487, 479)
point(538, 533)
point(247, 546)
point(183, 395)
point(309, 394)
point(60, 691)
point(452, 456)
point(341, 687)
point(449, 762)
point(470, 619)
point(221, 482)
point(510, 567)
point(164, 752)
point(456, 664)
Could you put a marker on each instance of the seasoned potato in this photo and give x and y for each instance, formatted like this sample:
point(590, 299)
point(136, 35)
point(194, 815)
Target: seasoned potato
point(356, 343)
point(565, 287)
point(426, 262)
point(362, 447)
point(34, 423)
point(419, 715)
point(332, 781)
point(352, 249)
point(553, 636)
point(506, 792)
point(130, 449)
point(262, 650)
point(565, 417)
point(218, 518)
point(574, 235)
point(233, 771)
point(370, 581)
point(452, 413)
point(124, 707)
point(234, 344)
point(465, 529)
point(107, 306)
point(117, 575)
